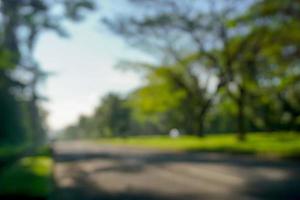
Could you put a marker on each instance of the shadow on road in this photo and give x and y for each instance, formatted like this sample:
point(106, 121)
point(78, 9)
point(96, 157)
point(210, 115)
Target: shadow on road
point(255, 186)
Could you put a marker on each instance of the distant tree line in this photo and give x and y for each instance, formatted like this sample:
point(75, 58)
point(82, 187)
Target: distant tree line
point(220, 66)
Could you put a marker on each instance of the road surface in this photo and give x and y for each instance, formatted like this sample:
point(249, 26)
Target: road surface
point(88, 171)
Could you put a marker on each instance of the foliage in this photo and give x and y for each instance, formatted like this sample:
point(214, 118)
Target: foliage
point(250, 49)
point(218, 66)
point(112, 117)
point(36, 171)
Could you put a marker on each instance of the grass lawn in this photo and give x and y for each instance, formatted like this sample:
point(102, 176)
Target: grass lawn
point(29, 177)
point(281, 145)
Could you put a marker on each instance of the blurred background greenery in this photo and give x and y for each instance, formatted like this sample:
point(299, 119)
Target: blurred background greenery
point(230, 67)
point(220, 67)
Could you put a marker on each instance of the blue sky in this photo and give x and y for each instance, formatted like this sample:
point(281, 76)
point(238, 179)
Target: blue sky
point(83, 67)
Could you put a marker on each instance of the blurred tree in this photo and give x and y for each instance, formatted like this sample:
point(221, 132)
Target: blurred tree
point(22, 21)
point(259, 55)
point(113, 116)
point(232, 65)
point(275, 27)
point(196, 31)
point(174, 92)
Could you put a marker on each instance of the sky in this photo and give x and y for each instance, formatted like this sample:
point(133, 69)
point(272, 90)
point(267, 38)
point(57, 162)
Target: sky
point(83, 68)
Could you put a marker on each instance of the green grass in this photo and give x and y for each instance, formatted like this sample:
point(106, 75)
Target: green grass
point(29, 176)
point(281, 145)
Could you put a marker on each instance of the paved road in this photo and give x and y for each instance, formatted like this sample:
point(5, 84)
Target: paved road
point(88, 171)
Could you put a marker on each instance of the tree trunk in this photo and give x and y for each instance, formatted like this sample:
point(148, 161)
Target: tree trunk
point(241, 115)
point(200, 128)
point(39, 135)
point(202, 117)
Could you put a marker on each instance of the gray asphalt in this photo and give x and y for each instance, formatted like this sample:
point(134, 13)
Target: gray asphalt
point(89, 171)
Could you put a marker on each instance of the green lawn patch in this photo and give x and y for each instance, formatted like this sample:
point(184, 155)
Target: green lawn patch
point(28, 177)
point(281, 145)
